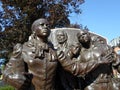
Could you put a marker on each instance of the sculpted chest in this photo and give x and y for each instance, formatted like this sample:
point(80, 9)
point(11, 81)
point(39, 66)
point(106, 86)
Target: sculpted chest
point(33, 61)
point(90, 54)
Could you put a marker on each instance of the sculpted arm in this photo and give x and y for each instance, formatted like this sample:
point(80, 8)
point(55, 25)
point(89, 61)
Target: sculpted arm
point(78, 68)
point(13, 72)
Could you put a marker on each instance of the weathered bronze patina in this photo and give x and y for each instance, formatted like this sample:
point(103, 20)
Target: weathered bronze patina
point(33, 65)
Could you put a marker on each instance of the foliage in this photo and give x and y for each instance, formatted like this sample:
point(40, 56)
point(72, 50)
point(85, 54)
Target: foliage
point(16, 17)
point(7, 87)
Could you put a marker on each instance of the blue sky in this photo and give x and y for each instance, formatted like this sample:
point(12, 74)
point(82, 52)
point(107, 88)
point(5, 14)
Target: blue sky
point(101, 17)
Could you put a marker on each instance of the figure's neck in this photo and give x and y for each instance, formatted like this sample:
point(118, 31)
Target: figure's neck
point(86, 45)
point(42, 40)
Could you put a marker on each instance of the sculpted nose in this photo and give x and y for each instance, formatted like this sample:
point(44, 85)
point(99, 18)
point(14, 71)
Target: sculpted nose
point(45, 25)
point(82, 37)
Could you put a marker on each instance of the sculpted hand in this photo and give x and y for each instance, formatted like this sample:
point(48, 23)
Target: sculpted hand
point(106, 59)
point(60, 55)
point(21, 82)
point(16, 80)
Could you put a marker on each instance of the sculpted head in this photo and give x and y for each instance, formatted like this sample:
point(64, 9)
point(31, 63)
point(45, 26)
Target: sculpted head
point(61, 36)
point(84, 36)
point(41, 27)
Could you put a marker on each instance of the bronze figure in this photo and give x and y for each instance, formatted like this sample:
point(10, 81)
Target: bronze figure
point(33, 65)
point(68, 81)
point(101, 78)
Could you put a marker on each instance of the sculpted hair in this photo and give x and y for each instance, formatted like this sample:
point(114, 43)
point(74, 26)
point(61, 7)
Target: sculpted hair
point(37, 22)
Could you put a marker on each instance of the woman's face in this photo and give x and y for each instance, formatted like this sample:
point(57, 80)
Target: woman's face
point(61, 37)
point(42, 29)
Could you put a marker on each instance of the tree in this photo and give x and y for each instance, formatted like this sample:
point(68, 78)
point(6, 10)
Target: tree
point(18, 15)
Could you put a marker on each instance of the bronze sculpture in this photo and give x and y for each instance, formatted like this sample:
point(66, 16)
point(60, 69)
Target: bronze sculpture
point(68, 81)
point(32, 66)
point(62, 38)
point(100, 78)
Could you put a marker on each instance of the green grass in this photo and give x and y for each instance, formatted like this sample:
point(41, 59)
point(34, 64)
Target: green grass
point(7, 87)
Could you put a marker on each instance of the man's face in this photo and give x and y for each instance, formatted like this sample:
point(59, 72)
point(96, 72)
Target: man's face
point(42, 29)
point(84, 37)
point(61, 37)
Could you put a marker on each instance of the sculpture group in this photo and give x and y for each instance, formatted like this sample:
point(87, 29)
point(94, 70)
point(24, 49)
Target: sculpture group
point(62, 59)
